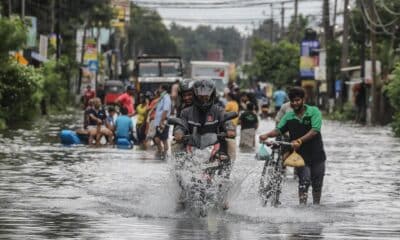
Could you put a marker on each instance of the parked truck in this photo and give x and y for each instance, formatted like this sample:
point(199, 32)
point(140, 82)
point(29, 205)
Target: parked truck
point(151, 71)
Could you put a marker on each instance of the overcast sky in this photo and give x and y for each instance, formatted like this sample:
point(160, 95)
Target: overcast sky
point(244, 15)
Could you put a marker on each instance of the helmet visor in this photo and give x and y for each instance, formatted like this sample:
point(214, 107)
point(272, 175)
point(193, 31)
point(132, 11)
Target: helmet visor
point(203, 90)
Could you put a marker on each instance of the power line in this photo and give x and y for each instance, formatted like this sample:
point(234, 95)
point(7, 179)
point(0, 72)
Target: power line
point(369, 21)
point(383, 4)
point(211, 5)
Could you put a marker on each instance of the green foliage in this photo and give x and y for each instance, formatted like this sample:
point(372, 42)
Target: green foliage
point(55, 83)
point(205, 38)
point(396, 124)
point(18, 90)
point(147, 34)
point(393, 89)
point(393, 92)
point(12, 36)
point(347, 113)
point(296, 32)
point(276, 63)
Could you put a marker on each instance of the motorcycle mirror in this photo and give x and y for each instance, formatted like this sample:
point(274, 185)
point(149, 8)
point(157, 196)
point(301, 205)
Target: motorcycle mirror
point(177, 121)
point(229, 116)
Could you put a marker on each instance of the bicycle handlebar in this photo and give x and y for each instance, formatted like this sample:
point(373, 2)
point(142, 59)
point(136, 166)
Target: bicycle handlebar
point(277, 143)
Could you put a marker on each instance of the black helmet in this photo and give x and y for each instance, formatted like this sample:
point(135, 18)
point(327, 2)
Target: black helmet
point(186, 86)
point(203, 88)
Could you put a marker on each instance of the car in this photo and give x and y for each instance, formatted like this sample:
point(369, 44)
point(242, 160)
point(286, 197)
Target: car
point(113, 89)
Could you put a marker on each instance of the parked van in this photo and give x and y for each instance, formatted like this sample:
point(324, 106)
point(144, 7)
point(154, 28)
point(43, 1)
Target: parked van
point(216, 71)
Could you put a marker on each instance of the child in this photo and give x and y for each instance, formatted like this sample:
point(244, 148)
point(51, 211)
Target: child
point(123, 125)
point(249, 122)
point(141, 111)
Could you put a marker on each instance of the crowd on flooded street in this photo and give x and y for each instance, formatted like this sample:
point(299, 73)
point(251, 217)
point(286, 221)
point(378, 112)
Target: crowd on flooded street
point(142, 119)
point(141, 116)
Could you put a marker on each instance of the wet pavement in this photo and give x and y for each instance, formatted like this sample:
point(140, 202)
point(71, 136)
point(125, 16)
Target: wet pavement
point(48, 191)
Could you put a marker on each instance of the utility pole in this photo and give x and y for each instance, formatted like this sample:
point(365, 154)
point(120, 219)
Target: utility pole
point(283, 20)
point(78, 89)
point(52, 5)
point(362, 102)
point(9, 8)
point(375, 82)
point(272, 24)
point(294, 32)
point(345, 45)
point(334, 15)
point(23, 9)
point(58, 47)
point(328, 39)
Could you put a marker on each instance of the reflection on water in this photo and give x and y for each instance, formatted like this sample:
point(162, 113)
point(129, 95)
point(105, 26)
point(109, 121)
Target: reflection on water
point(48, 191)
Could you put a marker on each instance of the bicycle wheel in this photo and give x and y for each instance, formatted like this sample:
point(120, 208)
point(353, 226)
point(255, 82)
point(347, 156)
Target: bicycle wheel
point(270, 182)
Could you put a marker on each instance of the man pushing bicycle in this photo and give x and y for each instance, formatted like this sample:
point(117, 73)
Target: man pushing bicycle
point(304, 127)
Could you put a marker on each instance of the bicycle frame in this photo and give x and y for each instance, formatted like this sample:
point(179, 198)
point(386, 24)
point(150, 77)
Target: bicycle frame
point(272, 176)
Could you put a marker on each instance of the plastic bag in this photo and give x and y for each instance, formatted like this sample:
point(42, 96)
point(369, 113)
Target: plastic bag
point(263, 153)
point(294, 160)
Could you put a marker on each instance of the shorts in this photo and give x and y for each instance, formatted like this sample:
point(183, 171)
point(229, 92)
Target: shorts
point(162, 135)
point(94, 127)
point(247, 138)
point(141, 132)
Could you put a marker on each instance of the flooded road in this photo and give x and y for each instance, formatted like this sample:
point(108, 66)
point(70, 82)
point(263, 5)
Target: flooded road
point(48, 191)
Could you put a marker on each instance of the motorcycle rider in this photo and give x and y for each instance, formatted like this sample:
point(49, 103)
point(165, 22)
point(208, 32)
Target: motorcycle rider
point(185, 96)
point(204, 116)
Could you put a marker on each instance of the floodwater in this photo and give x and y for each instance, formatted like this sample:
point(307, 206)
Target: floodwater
point(48, 191)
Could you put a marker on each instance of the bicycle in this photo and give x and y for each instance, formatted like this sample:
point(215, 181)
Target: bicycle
point(272, 174)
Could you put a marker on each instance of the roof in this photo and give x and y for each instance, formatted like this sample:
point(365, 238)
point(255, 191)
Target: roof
point(353, 68)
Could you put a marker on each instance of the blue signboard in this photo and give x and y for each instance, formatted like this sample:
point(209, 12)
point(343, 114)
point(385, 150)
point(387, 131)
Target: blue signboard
point(338, 85)
point(93, 65)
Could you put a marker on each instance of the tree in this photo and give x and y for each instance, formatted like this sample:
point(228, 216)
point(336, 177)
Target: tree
point(195, 44)
point(278, 64)
point(147, 34)
point(18, 83)
point(12, 36)
point(296, 31)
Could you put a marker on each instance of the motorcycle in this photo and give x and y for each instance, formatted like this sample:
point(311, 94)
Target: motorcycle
point(202, 169)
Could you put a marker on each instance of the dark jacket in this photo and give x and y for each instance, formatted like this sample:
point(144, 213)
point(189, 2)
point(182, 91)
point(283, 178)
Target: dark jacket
point(210, 121)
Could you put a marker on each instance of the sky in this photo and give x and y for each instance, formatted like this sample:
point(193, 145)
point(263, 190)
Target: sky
point(245, 15)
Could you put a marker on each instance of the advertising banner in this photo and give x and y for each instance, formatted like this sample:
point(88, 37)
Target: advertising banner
point(90, 50)
point(309, 58)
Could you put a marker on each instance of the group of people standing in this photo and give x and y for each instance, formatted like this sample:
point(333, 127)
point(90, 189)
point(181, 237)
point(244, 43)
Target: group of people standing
point(151, 111)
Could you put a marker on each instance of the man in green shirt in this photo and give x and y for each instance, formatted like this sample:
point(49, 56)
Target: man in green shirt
point(304, 127)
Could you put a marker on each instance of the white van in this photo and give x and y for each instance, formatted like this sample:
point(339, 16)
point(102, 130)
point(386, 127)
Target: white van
point(216, 71)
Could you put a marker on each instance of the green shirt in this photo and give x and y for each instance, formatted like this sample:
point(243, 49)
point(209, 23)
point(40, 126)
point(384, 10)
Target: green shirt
point(313, 150)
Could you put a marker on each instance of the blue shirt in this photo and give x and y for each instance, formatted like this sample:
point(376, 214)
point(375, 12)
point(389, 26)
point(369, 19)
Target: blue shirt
point(279, 98)
point(123, 126)
point(164, 104)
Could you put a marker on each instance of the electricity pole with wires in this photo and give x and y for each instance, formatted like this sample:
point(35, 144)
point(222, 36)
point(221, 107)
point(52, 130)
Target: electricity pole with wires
point(376, 86)
point(328, 39)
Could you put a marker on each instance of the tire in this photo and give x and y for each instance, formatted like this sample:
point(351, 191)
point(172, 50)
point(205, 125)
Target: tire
point(270, 183)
